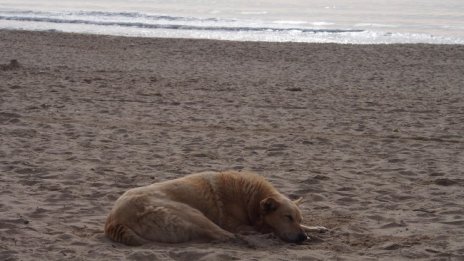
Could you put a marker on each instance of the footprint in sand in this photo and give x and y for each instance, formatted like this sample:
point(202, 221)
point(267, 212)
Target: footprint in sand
point(7, 117)
point(13, 65)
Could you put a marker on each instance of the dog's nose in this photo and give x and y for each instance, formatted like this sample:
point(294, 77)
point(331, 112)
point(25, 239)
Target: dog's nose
point(302, 237)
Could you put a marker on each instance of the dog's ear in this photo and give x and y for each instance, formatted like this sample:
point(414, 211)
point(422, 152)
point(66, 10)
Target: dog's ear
point(268, 205)
point(298, 201)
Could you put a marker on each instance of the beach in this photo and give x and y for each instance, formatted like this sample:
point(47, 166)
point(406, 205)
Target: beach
point(370, 135)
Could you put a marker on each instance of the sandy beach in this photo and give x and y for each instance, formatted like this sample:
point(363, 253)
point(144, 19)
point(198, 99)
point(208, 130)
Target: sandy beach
point(370, 135)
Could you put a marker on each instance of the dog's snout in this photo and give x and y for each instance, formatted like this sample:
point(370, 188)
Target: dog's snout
point(302, 237)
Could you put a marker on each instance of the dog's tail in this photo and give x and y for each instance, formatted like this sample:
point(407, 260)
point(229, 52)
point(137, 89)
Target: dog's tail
point(122, 234)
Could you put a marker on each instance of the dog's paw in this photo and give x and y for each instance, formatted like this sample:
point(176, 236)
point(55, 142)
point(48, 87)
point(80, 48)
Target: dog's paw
point(242, 240)
point(321, 229)
point(248, 233)
point(317, 229)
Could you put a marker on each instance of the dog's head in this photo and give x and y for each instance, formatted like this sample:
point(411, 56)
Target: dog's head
point(283, 217)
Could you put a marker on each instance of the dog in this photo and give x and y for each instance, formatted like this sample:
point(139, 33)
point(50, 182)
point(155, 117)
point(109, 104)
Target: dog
point(206, 206)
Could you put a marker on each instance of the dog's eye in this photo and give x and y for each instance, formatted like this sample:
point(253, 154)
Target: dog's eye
point(289, 217)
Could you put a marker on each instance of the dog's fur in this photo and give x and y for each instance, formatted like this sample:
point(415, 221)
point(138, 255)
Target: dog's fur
point(205, 206)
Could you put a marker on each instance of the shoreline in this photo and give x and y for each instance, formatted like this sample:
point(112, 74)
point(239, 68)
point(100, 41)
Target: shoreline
point(369, 135)
point(221, 40)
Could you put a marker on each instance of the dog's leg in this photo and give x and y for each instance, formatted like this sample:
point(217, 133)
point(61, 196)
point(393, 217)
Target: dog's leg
point(176, 223)
point(123, 234)
point(318, 229)
point(246, 230)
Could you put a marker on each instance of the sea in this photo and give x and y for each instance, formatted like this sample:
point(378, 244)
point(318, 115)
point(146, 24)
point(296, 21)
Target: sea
point(321, 21)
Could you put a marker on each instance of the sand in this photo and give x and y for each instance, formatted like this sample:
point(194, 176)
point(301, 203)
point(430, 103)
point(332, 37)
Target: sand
point(371, 136)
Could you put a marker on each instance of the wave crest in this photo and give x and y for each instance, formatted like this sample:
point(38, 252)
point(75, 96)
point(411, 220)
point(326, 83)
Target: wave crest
point(140, 20)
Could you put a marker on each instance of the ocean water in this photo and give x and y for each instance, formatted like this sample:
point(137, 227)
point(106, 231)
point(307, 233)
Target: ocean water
point(337, 21)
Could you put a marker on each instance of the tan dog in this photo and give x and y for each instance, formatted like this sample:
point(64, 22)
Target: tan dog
point(206, 206)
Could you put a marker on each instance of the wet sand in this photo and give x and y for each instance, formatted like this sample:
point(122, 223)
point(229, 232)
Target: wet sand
point(371, 136)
